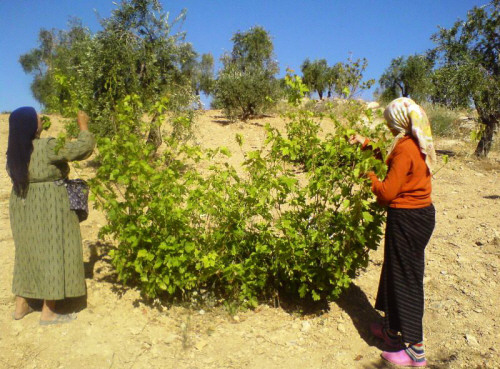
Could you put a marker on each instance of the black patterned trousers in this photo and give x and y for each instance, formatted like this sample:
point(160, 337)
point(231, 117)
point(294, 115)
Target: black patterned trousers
point(401, 289)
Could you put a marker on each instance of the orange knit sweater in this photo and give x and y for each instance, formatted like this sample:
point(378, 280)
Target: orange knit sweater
point(408, 180)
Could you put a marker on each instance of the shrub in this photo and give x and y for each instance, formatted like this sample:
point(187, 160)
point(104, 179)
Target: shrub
point(242, 236)
point(444, 121)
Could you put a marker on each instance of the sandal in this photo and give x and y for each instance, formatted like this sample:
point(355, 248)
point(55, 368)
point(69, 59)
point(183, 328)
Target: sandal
point(29, 311)
point(59, 319)
point(378, 331)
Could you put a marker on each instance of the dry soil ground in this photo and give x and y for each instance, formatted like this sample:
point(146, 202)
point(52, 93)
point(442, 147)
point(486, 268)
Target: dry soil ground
point(116, 329)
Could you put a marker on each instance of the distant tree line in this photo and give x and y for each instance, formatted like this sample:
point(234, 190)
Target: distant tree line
point(139, 52)
point(341, 79)
point(462, 71)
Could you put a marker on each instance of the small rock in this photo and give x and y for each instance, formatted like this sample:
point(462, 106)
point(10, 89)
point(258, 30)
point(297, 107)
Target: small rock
point(462, 260)
point(306, 326)
point(236, 318)
point(460, 216)
point(477, 310)
point(201, 312)
point(200, 345)
point(436, 305)
point(170, 339)
point(471, 340)
point(341, 328)
point(444, 272)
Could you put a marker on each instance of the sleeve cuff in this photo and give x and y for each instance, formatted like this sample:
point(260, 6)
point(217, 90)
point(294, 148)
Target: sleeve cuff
point(365, 144)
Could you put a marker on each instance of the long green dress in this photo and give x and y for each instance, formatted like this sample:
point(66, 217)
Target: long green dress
point(49, 262)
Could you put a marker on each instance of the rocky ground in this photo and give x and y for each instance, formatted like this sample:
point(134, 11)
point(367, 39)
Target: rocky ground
point(116, 329)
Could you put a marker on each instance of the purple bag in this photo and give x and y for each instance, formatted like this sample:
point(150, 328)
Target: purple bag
point(78, 193)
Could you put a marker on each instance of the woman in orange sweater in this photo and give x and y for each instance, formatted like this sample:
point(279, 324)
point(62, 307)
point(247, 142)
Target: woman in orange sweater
point(406, 191)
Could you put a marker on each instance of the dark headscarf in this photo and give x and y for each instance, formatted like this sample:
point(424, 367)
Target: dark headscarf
point(23, 124)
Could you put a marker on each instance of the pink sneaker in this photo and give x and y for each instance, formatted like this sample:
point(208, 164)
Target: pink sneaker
point(378, 331)
point(401, 358)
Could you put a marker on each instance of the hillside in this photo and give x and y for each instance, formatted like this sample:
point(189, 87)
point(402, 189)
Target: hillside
point(117, 329)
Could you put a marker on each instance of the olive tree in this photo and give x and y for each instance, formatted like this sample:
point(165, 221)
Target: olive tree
point(345, 79)
point(408, 77)
point(315, 75)
point(469, 64)
point(246, 85)
point(203, 76)
point(140, 54)
point(57, 50)
point(136, 53)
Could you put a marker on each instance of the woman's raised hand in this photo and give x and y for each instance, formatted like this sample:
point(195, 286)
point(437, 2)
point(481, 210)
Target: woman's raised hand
point(83, 120)
point(357, 139)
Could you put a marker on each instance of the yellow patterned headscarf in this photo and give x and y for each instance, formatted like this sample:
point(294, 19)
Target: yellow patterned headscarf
point(405, 116)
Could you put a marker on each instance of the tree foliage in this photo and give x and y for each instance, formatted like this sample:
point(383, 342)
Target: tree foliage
point(469, 67)
point(315, 75)
point(246, 85)
point(137, 52)
point(203, 76)
point(57, 50)
point(343, 79)
point(350, 78)
point(408, 77)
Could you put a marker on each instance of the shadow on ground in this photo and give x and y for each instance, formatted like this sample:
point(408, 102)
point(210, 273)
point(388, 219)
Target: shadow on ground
point(437, 363)
point(355, 303)
point(222, 120)
point(99, 251)
point(492, 197)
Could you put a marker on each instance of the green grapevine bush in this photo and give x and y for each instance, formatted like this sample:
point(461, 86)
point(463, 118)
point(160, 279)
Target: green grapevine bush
point(244, 236)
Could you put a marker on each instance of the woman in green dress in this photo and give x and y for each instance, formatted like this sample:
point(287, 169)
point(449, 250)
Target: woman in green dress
point(48, 259)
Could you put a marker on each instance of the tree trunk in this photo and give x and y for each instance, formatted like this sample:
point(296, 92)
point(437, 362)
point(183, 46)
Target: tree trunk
point(154, 136)
point(404, 90)
point(490, 123)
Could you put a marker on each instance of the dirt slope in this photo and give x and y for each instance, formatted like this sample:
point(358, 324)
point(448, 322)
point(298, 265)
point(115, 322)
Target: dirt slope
point(117, 330)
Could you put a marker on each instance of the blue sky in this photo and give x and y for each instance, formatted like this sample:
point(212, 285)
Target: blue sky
point(379, 30)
